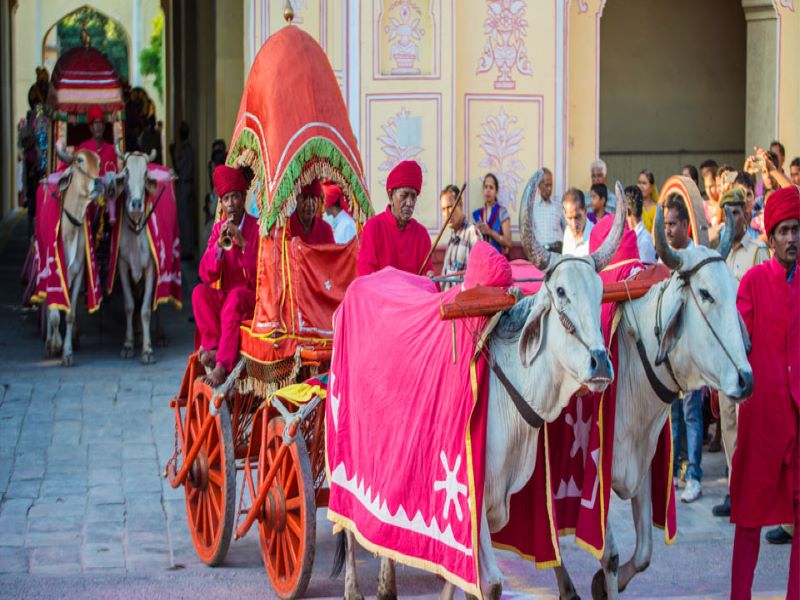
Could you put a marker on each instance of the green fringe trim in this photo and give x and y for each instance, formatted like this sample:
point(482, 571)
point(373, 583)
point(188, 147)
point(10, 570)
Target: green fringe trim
point(318, 157)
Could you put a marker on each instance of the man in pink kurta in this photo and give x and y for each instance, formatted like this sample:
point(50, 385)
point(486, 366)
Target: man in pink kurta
point(394, 238)
point(97, 143)
point(226, 295)
point(765, 474)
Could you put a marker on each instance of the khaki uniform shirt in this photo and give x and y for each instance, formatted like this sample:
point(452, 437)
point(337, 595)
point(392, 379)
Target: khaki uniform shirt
point(745, 254)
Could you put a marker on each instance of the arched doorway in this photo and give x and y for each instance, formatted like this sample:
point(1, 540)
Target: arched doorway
point(672, 85)
point(107, 35)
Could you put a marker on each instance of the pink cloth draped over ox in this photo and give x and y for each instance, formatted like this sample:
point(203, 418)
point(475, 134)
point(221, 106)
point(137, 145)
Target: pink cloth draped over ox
point(384, 244)
point(227, 294)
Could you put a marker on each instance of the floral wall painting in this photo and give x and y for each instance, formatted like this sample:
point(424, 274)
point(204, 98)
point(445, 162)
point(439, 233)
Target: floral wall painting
point(406, 46)
point(501, 141)
point(401, 140)
point(504, 49)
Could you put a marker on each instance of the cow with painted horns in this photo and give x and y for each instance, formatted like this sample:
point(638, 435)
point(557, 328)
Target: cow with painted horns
point(79, 186)
point(547, 347)
point(701, 341)
point(136, 262)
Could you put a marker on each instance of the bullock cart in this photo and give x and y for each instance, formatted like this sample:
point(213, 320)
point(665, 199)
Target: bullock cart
point(253, 434)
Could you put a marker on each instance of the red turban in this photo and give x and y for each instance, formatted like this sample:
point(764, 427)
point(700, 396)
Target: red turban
point(486, 266)
point(781, 205)
point(95, 114)
point(227, 179)
point(628, 248)
point(334, 194)
point(313, 189)
point(406, 174)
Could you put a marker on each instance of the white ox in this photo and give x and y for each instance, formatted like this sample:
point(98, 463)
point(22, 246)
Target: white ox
point(135, 257)
point(78, 186)
point(704, 343)
point(548, 346)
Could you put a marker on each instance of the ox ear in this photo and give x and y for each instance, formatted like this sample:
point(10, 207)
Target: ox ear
point(65, 180)
point(748, 345)
point(671, 334)
point(530, 342)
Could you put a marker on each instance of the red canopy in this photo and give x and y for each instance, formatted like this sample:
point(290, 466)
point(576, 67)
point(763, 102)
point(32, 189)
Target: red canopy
point(82, 77)
point(293, 116)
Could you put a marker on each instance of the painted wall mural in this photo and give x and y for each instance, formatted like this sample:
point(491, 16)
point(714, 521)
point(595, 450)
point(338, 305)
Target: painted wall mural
point(401, 140)
point(407, 38)
point(501, 141)
point(505, 27)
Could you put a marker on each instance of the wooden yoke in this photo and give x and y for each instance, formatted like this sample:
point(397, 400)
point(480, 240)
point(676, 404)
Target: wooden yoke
point(483, 301)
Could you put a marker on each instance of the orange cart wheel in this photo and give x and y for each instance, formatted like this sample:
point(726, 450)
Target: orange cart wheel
point(210, 486)
point(287, 530)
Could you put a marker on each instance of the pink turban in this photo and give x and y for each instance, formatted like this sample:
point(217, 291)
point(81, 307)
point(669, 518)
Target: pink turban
point(313, 189)
point(227, 179)
point(406, 174)
point(334, 194)
point(95, 114)
point(781, 205)
point(486, 266)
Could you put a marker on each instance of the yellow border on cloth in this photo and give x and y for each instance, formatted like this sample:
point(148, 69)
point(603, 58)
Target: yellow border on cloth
point(667, 539)
point(89, 270)
point(475, 590)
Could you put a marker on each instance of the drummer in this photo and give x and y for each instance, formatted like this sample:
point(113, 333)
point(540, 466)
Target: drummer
point(394, 238)
point(304, 222)
point(226, 295)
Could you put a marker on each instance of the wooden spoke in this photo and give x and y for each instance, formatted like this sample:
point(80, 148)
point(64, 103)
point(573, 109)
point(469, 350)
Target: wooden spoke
point(215, 477)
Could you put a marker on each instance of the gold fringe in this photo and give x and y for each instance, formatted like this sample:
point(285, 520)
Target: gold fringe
point(263, 380)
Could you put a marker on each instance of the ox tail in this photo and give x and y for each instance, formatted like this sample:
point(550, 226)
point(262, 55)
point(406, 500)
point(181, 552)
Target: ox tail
point(339, 555)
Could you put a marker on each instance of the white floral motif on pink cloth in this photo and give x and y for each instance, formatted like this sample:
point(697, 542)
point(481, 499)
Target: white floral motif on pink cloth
point(501, 142)
point(505, 28)
point(400, 141)
point(405, 32)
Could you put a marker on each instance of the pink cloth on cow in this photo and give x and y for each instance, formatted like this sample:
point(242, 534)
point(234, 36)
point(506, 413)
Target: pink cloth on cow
point(384, 244)
point(49, 262)
point(405, 434)
point(163, 238)
point(226, 295)
point(486, 266)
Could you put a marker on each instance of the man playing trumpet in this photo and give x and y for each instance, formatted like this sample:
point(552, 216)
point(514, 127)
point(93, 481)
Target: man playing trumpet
point(228, 274)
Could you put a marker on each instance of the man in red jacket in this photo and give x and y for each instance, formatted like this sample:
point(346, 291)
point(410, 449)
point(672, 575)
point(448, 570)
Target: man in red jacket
point(394, 238)
point(765, 475)
point(226, 295)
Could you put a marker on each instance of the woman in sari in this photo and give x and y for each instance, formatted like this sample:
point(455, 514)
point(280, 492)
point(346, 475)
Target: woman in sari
point(493, 220)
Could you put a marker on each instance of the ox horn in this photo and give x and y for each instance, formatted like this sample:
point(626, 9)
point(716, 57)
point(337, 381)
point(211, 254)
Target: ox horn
point(152, 156)
point(64, 156)
point(668, 256)
point(539, 257)
point(120, 153)
point(726, 241)
point(603, 255)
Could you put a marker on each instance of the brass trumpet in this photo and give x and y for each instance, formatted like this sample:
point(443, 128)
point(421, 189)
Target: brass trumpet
point(226, 242)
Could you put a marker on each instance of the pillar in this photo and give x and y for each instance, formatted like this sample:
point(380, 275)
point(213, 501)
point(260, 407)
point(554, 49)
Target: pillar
point(762, 73)
point(8, 161)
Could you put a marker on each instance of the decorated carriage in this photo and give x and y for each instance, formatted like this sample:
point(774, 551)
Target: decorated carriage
point(261, 432)
point(83, 77)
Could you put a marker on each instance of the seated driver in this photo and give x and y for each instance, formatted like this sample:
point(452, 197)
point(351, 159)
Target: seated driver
point(226, 295)
point(304, 222)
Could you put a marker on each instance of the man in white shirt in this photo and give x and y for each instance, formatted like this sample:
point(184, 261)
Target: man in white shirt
point(633, 205)
point(576, 235)
point(599, 173)
point(336, 215)
point(548, 218)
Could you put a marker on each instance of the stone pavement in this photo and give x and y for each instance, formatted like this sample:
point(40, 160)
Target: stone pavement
point(84, 511)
